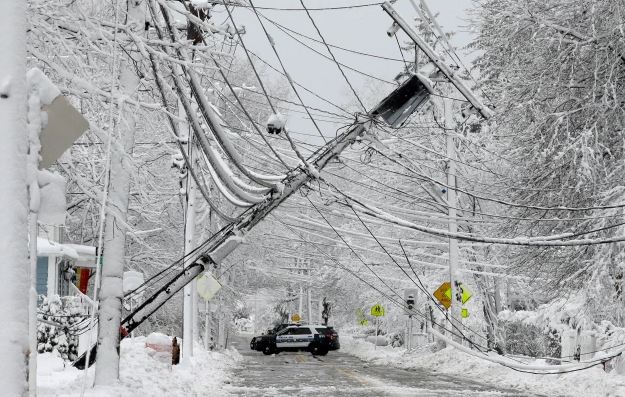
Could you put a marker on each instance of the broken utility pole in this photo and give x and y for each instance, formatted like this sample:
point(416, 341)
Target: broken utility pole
point(220, 245)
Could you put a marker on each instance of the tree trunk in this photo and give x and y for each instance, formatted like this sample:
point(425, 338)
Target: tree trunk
point(111, 292)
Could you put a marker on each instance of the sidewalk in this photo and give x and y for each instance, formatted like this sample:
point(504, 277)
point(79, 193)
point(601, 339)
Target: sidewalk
point(143, 373)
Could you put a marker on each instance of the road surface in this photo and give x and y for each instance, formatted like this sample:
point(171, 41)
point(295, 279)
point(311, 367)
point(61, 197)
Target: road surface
point(339, 374)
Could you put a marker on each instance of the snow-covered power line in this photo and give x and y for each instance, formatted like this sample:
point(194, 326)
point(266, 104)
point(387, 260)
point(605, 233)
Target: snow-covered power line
point(208, 113)
point(543, 241)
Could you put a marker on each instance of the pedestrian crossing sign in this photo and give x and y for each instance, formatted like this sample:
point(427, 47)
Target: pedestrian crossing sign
point(377, 310)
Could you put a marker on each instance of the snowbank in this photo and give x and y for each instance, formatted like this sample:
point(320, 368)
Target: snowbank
point(449, 361)
point(142, 374)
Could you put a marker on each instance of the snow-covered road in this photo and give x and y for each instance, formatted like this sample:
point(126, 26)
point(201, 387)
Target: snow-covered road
point(340, 374)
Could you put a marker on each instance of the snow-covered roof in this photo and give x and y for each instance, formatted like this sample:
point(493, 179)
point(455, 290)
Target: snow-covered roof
point(84, 255)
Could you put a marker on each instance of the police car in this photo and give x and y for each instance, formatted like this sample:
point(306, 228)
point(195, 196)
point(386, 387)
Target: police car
point(317, 339)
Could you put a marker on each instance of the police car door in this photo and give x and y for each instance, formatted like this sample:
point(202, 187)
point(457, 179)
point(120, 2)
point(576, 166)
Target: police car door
point(285, 338)
point(303, 337)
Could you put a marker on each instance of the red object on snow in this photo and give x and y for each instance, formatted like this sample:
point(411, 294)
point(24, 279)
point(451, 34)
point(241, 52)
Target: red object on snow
point(84, 280)
point(159, 343)
point(123, 332)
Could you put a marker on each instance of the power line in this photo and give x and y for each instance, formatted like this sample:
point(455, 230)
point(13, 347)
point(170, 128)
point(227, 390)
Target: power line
point(312, 20)
point(335, 8)
point(282, 27)
point(329, 102)
point(288, 77)
point(353, 69)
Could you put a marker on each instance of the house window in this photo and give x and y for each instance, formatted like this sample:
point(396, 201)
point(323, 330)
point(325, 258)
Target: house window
point(42, 275)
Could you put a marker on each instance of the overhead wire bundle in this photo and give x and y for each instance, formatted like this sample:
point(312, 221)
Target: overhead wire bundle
point(222, 159)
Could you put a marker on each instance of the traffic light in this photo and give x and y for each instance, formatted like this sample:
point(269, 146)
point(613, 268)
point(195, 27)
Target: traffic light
point(410, 301)
point(410, 298)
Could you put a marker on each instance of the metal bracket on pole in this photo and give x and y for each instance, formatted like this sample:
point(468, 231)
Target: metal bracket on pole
point(484, 110)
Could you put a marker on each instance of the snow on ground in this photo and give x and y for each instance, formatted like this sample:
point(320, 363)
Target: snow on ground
point(143, 373)
point(449, 361)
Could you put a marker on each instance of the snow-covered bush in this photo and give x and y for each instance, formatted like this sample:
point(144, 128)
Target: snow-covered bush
point(68, 312)
point(524, 339)
point(395, 339)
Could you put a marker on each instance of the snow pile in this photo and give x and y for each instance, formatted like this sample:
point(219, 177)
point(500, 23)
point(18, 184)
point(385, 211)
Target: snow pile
point(141, 374)
point(44, 86)
point(52, 193)
point(46, 247)
point(449, 361)
point(567, 315)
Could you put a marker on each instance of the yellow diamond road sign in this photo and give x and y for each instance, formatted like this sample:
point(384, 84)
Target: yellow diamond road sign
point(377, 310)
point(466, 294)
point(443, 294)
point(296, 318)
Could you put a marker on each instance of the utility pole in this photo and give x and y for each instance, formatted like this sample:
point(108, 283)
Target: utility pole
point(320, 311)
point(189, 310)
point(450, 126)
point(484, 110)
point(310, 312)
point(452, 201)
point(301, 302)
point(225, 241)
point(14, 264)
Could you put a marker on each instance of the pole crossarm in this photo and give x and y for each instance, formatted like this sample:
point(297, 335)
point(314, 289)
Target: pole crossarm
point(484, 110)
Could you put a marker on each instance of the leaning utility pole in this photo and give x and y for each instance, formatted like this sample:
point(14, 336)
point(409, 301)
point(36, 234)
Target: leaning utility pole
point(14, 265)
point(221, 244)
point(394, 109)
point(436, 60)
point(450, 126)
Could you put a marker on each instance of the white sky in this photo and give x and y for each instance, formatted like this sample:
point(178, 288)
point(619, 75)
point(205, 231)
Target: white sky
point(361, 29)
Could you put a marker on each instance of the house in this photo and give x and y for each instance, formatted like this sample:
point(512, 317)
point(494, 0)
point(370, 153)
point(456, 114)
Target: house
point(63, 269)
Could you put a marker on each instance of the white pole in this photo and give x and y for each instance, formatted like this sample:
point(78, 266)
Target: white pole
point(409, 333)
point(498, 304)
point(452, 202)
point(206, 325)
point(132, 334)
point(375, 341)
point(188, 309)
point(14, 264)
point(34, 131)
point(428, 322)
point(320, 311)
point(301, 302)
point(310, 312)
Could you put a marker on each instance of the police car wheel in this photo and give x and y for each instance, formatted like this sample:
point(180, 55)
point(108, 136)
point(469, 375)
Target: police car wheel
point(318, 351)
point(267, 350)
